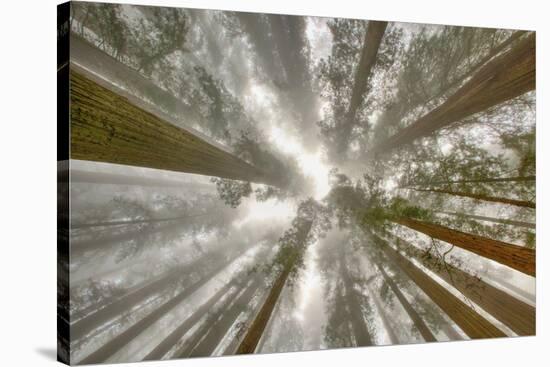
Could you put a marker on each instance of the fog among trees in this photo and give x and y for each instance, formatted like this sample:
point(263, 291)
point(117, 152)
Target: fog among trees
point(257, 183)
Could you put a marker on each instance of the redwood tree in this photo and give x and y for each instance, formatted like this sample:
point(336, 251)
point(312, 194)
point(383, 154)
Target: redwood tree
point(509, 75)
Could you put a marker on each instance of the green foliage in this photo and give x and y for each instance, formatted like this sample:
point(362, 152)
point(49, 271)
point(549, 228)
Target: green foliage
point(310, 223)
point(283, 170)
point(400, 207)
point(231, 191)
point(143, 44)
point(523, 144)
point(106, 21)
point(337, 83)
point(223, 115)
point(160, 33)
point(530, 239)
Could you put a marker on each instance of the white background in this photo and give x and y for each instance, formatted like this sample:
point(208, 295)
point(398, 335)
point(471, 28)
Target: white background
point(28, 192)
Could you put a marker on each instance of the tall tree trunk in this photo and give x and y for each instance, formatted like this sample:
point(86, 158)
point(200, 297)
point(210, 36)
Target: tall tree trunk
point(495, 51)
point(133, 221)
point(371, 44)
point(512, 288)
point(516, 223)
point(512, 312)
point(121, 340)
point(415, 317)
point(100, 314)
point(254, 333)
point(385, 320)
point(479, 180)
point(108, 126)
point(516, 257)
point(172, 339)
point(212, 317)
point(211, 340)
point(473, 324)
point(104, 178)
point(483, 197)
point(505, 77)
point(97, 61)
point(359, 327)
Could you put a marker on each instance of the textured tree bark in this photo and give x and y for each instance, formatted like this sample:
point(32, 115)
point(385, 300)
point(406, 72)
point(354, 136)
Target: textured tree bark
point(480, 180)
point(517, 257)
point(359, 327)
point(516, 223)
point(254, 333)
point(121, 340)
point(495, 51)
point(415, 317)
point(505, 77)
point(473, 324)
point(367, 60)
point(107, 127)
point(492, 199)
point(250, 341)
point(91, 58)
point(512, 312)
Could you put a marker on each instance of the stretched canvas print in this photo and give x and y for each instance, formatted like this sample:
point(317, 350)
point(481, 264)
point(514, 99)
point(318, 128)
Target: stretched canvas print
point(239, 183)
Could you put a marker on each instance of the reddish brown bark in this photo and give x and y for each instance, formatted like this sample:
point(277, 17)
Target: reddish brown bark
point(250, 342)
point(473, 324)
point(516, 257)
point(507, 76)
point(512, 312)
point(107, 125)
point(480, 180)
point(495, 51)
point(92, 58)
point(493, 199)
point(254, 333)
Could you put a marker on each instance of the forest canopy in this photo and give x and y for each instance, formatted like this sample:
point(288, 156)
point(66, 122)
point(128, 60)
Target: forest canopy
point(253, 183)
